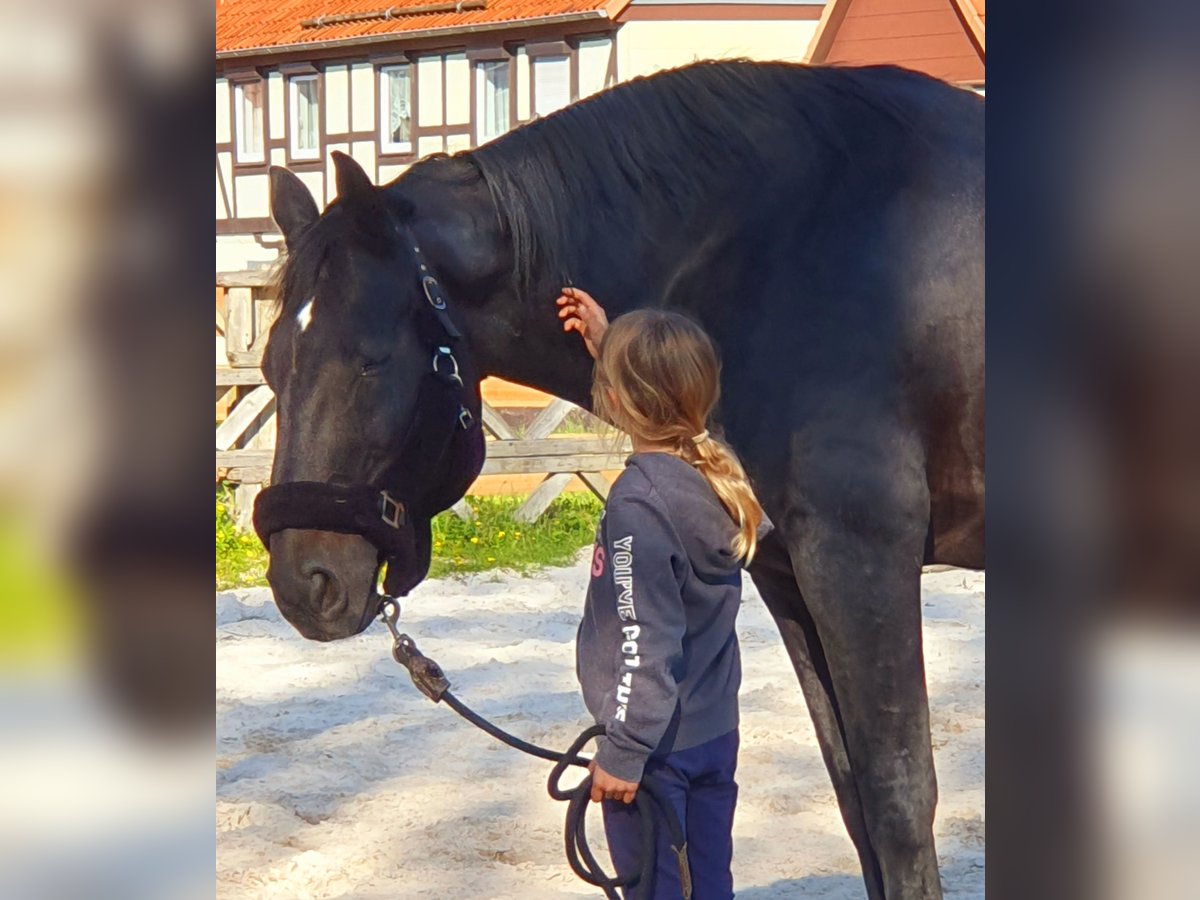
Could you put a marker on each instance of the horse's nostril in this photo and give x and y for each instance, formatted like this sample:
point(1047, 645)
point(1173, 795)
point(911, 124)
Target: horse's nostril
point(326, 590)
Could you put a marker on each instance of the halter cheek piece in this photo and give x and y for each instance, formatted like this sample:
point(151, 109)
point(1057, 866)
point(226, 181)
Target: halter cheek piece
point(382, 515)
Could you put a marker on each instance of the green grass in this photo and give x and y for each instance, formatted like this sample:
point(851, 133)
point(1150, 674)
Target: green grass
point(241, 557)
point(492, 539)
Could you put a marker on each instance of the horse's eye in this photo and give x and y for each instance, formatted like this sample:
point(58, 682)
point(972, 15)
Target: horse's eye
point(372, 367)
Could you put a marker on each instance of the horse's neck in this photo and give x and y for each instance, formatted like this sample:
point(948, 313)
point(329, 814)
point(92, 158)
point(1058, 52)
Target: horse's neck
point(517, 334)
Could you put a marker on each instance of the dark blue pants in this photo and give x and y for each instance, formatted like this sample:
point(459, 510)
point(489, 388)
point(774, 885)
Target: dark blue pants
point(699, 782)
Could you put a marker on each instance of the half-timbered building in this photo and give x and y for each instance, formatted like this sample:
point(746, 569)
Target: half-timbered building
point(297, 79)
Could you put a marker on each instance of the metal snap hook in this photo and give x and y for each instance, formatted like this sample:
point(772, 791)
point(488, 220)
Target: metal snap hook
point(444, 353)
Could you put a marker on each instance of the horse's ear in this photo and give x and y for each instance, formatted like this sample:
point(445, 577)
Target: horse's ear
point(292, 206)
point(351, 180)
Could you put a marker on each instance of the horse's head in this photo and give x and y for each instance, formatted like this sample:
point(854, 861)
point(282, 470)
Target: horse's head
point(377, 400)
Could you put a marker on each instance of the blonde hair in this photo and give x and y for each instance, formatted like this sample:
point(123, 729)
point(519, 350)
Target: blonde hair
point(657, 378)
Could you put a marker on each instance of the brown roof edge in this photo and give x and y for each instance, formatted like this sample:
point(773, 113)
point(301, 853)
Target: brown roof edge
point(615, 7)
point(831, 19)
point(561, 19)
point(970, 16)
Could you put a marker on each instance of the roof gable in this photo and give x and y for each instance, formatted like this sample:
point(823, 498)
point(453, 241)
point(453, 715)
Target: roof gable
point(943, 38)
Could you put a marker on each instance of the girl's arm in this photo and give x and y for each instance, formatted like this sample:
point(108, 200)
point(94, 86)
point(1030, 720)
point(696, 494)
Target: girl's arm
point(642, 552)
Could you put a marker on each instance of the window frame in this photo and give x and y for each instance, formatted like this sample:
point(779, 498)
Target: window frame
point(239, 89)
point(565, 58)
point(388, 147)
point(295, 152)
point(477, 85)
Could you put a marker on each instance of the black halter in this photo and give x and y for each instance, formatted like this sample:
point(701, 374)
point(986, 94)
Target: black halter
point(383, 513)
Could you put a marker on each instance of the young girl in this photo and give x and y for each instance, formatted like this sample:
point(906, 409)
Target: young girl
point(657, 653)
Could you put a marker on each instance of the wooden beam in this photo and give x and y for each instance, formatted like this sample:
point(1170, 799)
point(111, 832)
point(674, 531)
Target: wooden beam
point(548, 419)
point(245, 359)
point(246, 278)
point(243, 414)
point(543, 495)
point(496, 424)
point(597, 483)
point(827, 27)
point(590, 462)
point(553, 447)
point(970, 17)
point(513, 465)
point(239, 320)
point(227, 375)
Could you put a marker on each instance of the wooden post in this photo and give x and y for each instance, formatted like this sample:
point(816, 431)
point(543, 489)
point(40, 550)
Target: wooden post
point(239, 320)
point(243, 505)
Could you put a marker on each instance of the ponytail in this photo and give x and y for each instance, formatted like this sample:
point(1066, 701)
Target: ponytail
point(658, 378)
point(721, 469)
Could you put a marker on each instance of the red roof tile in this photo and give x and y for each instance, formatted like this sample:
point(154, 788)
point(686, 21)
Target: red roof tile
point(252, 24)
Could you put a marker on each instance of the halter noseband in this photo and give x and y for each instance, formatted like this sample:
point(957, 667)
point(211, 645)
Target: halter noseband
point(373, 512)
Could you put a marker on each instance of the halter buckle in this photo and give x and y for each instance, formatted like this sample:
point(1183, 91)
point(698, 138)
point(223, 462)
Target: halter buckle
point(392, 510)
point(433, 292)
point(465, 419)
point(444, 353)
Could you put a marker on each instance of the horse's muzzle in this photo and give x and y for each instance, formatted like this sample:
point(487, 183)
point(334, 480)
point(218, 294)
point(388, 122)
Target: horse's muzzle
point(324, 582)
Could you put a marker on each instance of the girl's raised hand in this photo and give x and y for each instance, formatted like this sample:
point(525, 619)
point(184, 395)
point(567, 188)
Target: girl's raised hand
point(580, 312)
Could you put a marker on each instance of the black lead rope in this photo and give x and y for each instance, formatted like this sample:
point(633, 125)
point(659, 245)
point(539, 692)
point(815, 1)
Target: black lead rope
point(429, 678)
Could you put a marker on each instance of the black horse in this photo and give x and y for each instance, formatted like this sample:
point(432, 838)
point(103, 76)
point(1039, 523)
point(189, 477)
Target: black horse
point(825, 225)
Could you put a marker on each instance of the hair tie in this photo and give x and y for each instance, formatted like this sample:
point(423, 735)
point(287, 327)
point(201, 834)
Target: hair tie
point(700, 438)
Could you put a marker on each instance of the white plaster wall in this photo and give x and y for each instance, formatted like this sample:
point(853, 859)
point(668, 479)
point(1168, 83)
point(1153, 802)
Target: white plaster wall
point(278, 157)
point(276, 97)
point(237, 251)
point(253, 196)
point(522, 85)
point(224, 131)
point(458, 89)
point(362, 96)
point(429, 90)
point(336, 114)
point(430, 144)
point(646, 47)
point(457, 142)
point(315, 182)
point(330, 186)
point(364, 154)
point(225, 168)
point(387, 173)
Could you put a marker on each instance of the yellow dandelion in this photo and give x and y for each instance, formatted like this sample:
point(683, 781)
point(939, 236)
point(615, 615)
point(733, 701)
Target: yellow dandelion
point(499, 534)
point(474, 540)
point(491, 559)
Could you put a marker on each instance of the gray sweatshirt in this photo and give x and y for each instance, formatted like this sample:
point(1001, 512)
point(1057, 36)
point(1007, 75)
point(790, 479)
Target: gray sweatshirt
point(657, 654)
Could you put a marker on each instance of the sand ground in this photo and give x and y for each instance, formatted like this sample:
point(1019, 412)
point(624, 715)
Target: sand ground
point(336, 778)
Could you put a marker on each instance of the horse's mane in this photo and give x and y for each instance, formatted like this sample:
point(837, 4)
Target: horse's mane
point(668, 142)
point(295, 273)
point(669, 139)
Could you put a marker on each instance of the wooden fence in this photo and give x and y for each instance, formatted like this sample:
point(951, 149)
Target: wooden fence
point(524, 453)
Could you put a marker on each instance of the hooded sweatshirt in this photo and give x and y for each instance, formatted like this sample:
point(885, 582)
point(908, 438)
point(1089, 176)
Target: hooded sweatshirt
point(657, 653)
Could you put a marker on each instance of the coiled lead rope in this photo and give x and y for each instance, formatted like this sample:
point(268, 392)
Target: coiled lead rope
point(429, 678)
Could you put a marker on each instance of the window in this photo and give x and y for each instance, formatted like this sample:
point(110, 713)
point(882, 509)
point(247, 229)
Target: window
point(396, 98)
point(248, 120)
point(551, 84)
point(492, 114)
point(305, 117)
